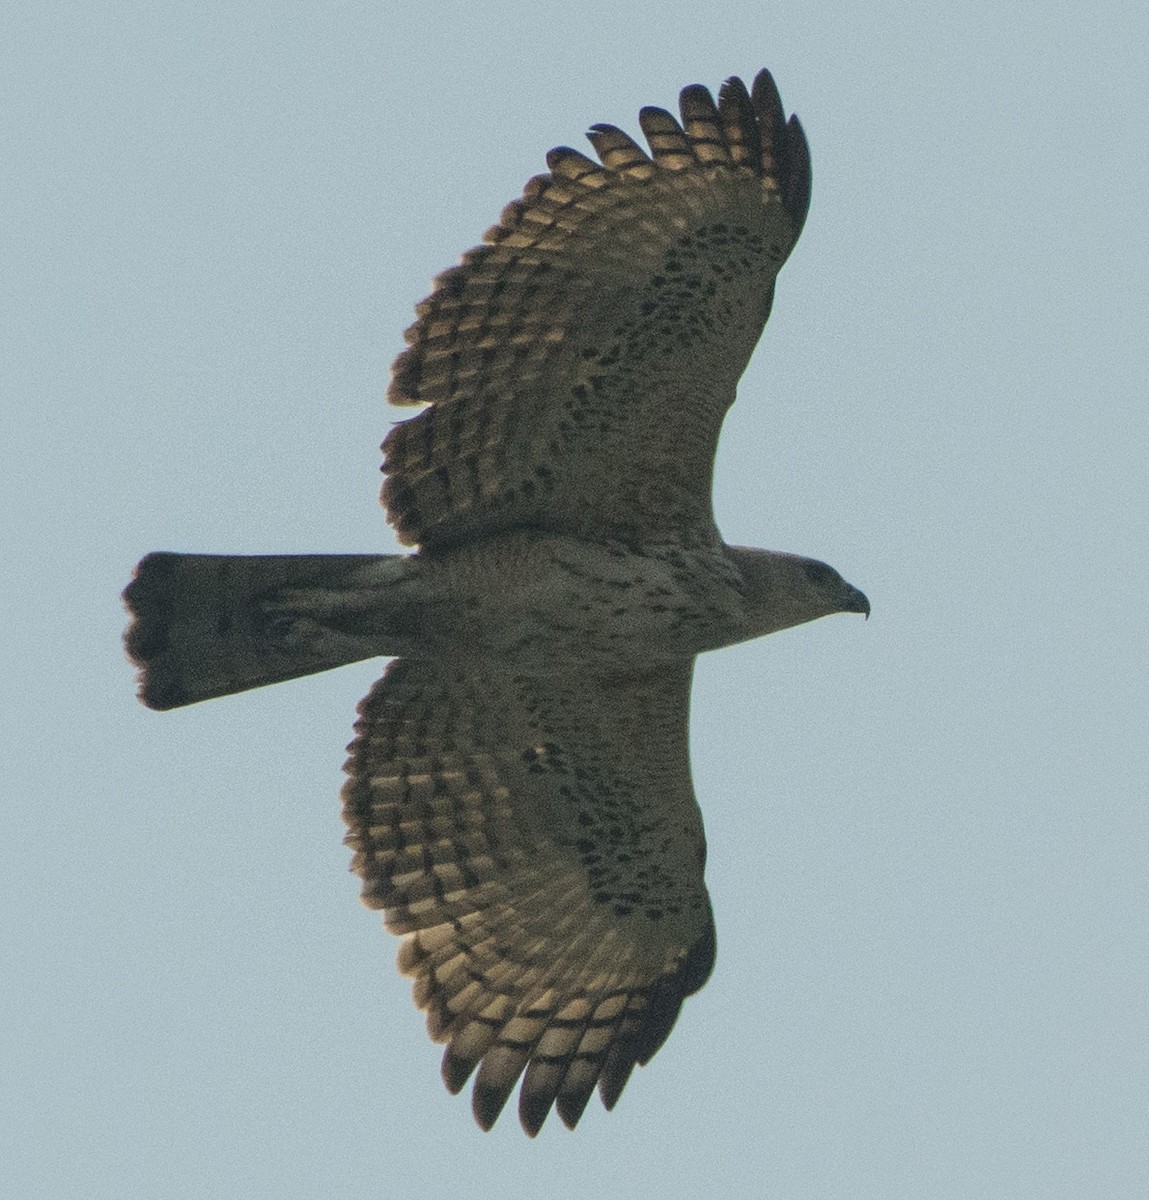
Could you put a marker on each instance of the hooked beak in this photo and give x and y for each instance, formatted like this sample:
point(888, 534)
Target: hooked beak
point(855, 601)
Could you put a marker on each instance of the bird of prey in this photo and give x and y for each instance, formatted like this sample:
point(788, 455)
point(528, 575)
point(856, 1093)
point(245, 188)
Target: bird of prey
point(519, 799)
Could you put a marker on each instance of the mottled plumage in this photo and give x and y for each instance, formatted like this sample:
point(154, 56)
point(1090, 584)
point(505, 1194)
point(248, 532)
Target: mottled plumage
point(519, 799)
point(578, 365)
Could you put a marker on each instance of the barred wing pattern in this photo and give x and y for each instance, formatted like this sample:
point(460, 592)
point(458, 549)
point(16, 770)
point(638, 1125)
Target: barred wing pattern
point(519, 799)
point(536, 841)
point(578, 366)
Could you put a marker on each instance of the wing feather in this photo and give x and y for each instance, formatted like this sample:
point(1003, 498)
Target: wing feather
point(669, 146)
point(619, 152)
point(702, 125)
point(537, 844)
point(577, 366)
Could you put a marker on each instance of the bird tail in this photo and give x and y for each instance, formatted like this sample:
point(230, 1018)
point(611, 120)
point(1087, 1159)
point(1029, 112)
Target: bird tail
point(208, 625)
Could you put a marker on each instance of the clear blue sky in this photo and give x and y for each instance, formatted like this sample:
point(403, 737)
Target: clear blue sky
point(928, 833)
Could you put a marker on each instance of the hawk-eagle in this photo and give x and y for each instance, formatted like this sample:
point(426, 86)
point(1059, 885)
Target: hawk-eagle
point(519, 797)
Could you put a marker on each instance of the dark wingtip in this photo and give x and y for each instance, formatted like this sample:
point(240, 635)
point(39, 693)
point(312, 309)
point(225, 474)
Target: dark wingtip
point(571, 1105)
point(533, 1112)
point(616, 1071)
point(797, 177)
point(767, 101)
point(487, 1102)
point(786, 137)
point(456, 1071)
point(697, 95)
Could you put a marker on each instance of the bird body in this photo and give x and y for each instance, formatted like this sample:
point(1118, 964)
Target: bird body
point(552, 603)
point(519, 800)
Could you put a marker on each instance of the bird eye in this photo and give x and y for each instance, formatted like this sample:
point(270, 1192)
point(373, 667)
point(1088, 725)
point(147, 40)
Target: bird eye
point(819, 573)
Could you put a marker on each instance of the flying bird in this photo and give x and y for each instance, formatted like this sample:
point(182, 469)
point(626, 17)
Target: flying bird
point(519, 799)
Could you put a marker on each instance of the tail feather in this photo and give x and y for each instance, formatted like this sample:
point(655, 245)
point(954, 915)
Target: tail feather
point(208, 625)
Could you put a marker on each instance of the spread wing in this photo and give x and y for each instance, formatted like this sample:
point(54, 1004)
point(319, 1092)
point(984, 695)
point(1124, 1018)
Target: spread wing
point(537, 841)
point(578, 366)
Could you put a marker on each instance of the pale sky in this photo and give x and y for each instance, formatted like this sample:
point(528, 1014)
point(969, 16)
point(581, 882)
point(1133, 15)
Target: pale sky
point(928, 833)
